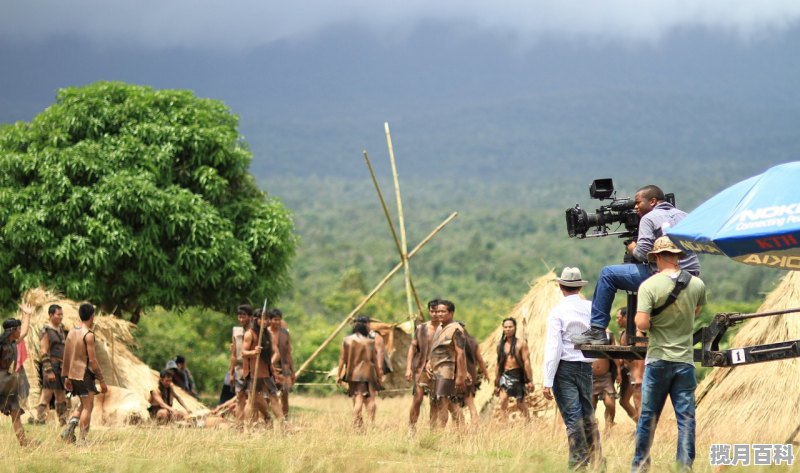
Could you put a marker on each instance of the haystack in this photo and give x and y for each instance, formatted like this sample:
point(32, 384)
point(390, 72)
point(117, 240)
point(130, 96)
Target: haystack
point(756, 403)
point(531, 315)
point(129, 379)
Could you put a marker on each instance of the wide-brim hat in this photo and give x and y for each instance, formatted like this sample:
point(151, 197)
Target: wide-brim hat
point(663, 245)
point(571, 277)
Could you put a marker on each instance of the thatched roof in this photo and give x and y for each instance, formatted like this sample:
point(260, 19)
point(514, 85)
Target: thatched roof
point(531, 314)
point(756, 403)
point(132, 378)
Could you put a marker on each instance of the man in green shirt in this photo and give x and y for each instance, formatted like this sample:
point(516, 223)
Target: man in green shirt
point(669, 366)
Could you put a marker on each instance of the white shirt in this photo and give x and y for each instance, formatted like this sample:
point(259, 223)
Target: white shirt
point(570, 317)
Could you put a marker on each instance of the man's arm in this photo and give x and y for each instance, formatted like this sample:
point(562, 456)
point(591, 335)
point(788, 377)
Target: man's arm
point(247, 343)
point(27, 310)
point(526, 357)
point(642, 320)
point(180, 401)
point(410, 358)
point(644, 242)
point(93, 364)
point(44, 349)
point(342, 366)
point(460, 343)
point(232, 367)
point(377, 363)
point(379, 350)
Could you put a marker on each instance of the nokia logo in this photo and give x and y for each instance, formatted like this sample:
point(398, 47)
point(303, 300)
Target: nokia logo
point(775, 211)
point(784, 262)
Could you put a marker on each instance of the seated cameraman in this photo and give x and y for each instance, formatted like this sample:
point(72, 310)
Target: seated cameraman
point(656, 216)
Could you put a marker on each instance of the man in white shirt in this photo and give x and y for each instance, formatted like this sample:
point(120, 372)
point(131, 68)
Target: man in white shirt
point(568, 374)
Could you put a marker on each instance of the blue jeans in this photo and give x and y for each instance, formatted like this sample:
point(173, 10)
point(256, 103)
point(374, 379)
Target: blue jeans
point(572, 389)
point(662, 378)
point(627, 277)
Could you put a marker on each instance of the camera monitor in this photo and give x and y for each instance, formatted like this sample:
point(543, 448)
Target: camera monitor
point(601, 189)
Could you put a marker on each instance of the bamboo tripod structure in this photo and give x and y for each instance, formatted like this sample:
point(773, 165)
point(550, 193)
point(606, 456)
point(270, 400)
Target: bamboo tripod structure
point(400, 243)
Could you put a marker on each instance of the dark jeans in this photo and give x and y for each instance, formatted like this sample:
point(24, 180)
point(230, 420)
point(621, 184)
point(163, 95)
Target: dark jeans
point(572, 389)
point(662, 378)
point(626, 277)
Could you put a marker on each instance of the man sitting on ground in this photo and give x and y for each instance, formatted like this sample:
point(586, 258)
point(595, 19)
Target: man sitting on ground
point(161, 409)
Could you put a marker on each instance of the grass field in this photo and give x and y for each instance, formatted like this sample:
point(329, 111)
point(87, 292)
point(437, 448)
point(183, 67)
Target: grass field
point(321, 440)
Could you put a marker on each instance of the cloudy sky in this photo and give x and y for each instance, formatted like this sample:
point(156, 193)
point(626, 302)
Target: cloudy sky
point(247, 24)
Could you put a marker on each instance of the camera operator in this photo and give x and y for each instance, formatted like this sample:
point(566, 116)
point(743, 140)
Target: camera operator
point(657, 215)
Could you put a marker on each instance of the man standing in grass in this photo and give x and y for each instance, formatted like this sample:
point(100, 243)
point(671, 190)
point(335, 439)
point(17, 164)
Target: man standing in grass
point(568, 374)
point(448, 365)
point(14, 332)
point(418, 353)
point(667, 305)
point(51, 348)
point(476, 367)
point(244, 314)
point(282, 363)
point(513, 377)
point(257, 368)
point(359, 368)
point(80, 370)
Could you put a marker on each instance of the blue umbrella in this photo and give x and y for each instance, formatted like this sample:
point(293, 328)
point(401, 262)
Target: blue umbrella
point(756, 221)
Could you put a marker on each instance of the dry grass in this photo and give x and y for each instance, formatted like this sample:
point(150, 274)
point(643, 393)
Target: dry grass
point(322, 440)
point(761, 399)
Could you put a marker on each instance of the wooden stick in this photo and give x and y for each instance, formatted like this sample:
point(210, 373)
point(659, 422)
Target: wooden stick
point(394, 234)
point(372, 293)
point(404, 246)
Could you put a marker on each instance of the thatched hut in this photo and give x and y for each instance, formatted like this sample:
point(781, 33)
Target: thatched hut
point(756, 403)
point(531, 314)
point(129, 379)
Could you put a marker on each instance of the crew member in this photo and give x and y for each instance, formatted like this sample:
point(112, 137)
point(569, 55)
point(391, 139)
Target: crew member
point(657, 215)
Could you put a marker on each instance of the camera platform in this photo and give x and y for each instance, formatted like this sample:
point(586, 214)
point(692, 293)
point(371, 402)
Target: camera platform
point(619, 352)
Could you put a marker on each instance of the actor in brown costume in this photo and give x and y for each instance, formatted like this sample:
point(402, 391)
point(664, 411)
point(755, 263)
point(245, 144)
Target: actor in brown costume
point(14, 332)
point(359, 368)
point(51, 348)
point(630, 374)
point(261, 375)
point(80, 370)
point(161, 398)
point(244, 314)
point(448, 365)
point(282, 363)
point(418, 353)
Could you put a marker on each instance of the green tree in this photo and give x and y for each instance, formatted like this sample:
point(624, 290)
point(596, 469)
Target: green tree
point(134, 197)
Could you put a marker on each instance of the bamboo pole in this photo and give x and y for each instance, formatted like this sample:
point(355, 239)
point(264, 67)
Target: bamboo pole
point(372, 293)
point(394, 232)
point(402, 223)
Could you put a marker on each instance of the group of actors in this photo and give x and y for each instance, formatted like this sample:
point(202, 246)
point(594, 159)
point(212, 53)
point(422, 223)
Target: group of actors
point(443, 361)
point(68, 365)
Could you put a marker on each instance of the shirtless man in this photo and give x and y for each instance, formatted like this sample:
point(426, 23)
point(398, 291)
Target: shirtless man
point(51, 347)
point(161, 398)
point(244, 313)
point(418, 353)
point(513, 369)
point(630, 374)
point(282, 363)
point(14, 332)
point(604, 372)
point(447, 365)
point(476, 371)
point(80, 370)
point(359, 368)
point(262, 375)
point(380, 345)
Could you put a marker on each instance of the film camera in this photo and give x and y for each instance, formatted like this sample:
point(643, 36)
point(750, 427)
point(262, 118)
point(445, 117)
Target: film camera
point(619, 211)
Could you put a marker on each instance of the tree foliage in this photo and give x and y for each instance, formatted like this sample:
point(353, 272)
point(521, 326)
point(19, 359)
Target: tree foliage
point(134, 197)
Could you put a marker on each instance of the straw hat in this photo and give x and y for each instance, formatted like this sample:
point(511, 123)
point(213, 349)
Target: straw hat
point(571, 277)
point(663, 245)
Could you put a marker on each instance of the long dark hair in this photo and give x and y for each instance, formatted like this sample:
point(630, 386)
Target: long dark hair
point(266, 342)
point(501, 353)
point(361, 327)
